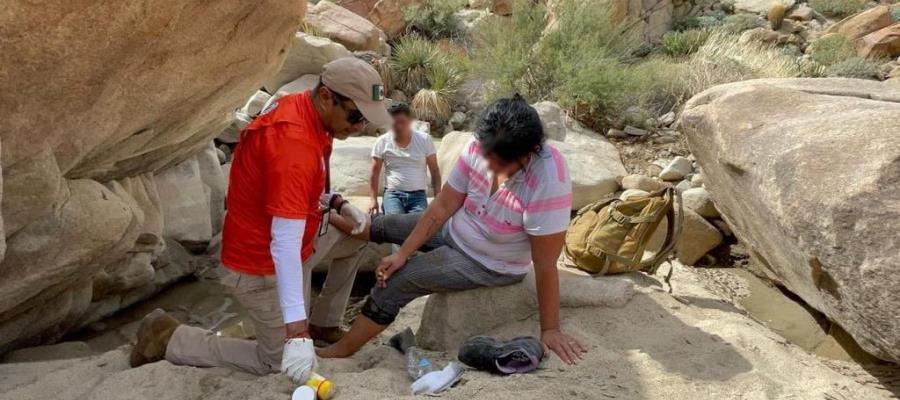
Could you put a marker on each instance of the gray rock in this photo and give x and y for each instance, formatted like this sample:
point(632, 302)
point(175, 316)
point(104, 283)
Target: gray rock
point(447, 319)
point(802, 13)
point(630, 130)
point(697, 238)
point(723, 227)
point(629, 193)
point(815, 216)
point(457, 120)
point(683, 186)
point(72, 207)
point(667, 119)
point(616, 133)
point(759, 6)
point(699, 200)
point(641, 182)
point(676, 170)
point(697, 180)
point(306, 55)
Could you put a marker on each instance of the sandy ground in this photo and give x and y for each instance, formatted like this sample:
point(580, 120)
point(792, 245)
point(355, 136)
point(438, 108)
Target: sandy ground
point(691, 344)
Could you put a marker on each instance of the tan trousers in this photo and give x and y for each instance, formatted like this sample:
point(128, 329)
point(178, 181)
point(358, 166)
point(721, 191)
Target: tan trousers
point(259, 296)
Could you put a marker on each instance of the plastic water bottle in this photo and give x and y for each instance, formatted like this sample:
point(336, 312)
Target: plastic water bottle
point(416, 363)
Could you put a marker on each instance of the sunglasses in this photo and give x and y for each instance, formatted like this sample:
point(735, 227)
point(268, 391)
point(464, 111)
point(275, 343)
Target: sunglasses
point(354, 116)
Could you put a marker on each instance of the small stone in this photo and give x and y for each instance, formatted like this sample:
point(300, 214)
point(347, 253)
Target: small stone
point(630, 130)
point(699, 200)
point(677, 169)
point(653, 170)
point(667, 118)
point(802, 13)
point(641, 182)
point(223, 158)
point(457, 120)
point(616, 133)
point(627, 194)
point(682, 186)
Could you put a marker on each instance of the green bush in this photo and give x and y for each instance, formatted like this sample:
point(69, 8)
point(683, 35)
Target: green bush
point(434, 19)
point(410, 59)
point(855, 67)
point(741, 22)
point(838, 8)
point(831, 49)
point(678, 44)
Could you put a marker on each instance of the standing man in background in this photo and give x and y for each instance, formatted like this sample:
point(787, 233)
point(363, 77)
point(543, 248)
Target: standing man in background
point(404, 153)
point(277, 201)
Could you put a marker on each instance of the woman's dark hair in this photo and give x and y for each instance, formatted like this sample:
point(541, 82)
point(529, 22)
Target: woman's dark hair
point(510, 128)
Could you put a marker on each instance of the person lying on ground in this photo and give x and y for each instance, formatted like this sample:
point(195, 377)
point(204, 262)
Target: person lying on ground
point(503, 211)
point(279, 187)
point(404, 153)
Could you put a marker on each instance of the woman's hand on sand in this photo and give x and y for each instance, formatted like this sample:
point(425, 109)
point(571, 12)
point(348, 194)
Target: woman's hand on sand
point(567, 348)
point(387, 267)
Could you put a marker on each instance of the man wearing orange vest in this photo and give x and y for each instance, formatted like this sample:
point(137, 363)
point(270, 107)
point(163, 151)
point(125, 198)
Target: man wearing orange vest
point(277, 200)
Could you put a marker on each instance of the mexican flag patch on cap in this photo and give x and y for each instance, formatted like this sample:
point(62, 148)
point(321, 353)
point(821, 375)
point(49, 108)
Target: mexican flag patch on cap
point(377, 92)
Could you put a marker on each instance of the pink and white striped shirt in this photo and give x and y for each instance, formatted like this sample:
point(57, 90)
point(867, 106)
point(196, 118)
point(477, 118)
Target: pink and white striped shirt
point(494, 229)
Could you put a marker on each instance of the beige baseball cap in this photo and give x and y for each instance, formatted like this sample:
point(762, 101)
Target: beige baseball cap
point(357, 80)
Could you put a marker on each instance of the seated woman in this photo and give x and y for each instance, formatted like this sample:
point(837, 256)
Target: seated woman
point(508, 201)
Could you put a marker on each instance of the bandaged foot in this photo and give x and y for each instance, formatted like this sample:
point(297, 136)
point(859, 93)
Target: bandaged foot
point(438, 381)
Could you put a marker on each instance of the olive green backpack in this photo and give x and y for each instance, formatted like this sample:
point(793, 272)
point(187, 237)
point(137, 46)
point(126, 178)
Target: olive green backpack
point(610, 236)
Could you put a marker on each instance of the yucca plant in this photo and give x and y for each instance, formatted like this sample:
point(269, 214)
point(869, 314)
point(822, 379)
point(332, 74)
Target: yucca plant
point(434, 103)
point(411, 58)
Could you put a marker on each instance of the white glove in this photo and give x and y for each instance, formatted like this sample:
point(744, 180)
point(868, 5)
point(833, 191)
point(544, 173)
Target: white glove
point(359, 217)
point(298, 359)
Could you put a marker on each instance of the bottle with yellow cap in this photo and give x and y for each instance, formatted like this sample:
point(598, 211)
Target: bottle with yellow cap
point(324, 388)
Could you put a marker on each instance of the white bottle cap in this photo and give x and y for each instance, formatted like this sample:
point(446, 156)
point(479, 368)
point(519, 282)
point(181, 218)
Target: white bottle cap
point(304, 393)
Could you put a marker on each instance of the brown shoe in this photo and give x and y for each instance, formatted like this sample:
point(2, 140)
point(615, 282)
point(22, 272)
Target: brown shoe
point(330, 335)
point(152, 337)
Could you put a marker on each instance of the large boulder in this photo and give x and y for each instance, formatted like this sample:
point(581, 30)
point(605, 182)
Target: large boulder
point(306, 55)
point(806, 172)
point(345, 27)
point(385, 14)
point(759, 6)
point(351, 162)
point(137, 88)
point(594, 163)
point(447, 319)
point(859, 25)
point(884, 42)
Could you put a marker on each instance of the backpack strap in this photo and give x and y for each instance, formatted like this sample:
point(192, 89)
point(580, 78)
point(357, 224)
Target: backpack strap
point(673, 232)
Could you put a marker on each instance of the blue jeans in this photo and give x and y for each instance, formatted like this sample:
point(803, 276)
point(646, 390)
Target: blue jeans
point(399, 202)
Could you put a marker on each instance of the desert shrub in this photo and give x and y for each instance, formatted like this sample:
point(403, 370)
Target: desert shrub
point(503, 49)
point(895, 13)
point(741, 22)
point(434, 19)
point(831, 49)
point(310, 29)
point(588, 67)
point(410, 60)
point(434, 103)
point(698, 21)
point(854, 67)
point(838, 8)
point(723, 59)
point(679, 44)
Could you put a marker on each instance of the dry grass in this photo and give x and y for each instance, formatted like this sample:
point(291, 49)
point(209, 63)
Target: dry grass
point(724, 59)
